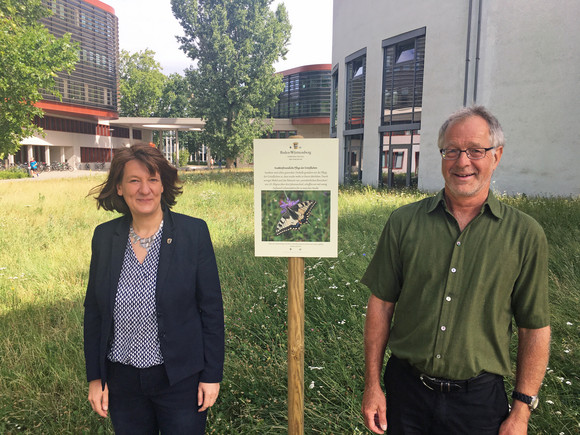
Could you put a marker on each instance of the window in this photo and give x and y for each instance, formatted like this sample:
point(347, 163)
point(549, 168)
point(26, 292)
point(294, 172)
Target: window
point(306, 94)
point(403, 66)
point(398, 160)
point(355, 90)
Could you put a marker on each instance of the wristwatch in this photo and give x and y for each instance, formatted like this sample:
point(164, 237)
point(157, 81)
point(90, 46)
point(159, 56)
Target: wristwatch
point(531, 401)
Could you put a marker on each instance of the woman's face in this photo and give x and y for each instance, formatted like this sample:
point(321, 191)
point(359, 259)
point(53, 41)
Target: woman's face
point(141, 190)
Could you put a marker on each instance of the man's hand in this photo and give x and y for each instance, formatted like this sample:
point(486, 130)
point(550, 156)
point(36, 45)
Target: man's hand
point(98, 397)
point(207, 395)
point(374, 409)
point(517, 421)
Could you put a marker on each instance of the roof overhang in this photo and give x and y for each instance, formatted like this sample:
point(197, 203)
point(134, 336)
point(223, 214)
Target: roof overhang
point(181, 124)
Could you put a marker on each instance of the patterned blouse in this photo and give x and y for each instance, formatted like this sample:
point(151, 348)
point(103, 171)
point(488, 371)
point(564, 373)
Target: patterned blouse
point(135, 332)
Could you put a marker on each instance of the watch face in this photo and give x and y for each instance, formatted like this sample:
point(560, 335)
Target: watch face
point(535, 403)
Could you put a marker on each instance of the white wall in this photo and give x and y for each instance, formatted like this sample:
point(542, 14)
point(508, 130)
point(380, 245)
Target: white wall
point(527, 76)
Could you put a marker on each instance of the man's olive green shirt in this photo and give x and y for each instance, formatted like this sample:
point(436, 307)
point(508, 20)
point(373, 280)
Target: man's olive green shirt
point(457, 291)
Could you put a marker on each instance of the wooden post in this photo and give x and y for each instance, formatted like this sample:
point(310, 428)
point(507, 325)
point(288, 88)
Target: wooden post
point(295, 346)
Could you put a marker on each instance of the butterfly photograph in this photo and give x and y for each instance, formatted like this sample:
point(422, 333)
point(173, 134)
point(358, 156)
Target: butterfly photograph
point(296, 216)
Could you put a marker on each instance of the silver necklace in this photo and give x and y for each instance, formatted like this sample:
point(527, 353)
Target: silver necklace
point(145, 242)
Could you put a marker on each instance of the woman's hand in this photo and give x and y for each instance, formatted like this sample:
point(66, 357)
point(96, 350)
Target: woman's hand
point(207, 395)
point(98, 397)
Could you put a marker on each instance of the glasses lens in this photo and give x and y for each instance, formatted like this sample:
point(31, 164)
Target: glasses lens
point(476, 153)
point(450, 154)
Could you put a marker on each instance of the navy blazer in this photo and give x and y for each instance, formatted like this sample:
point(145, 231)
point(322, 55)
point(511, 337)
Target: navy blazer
point(188, 297)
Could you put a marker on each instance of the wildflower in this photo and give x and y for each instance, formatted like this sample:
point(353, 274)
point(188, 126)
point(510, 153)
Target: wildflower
point(311, 386)
point(549, 402)
point(286, 205)
point(342, 322)
point(315, 368)
point(569, 323)
point(568, 382)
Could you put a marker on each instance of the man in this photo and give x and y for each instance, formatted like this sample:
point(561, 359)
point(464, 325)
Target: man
point(448, 275)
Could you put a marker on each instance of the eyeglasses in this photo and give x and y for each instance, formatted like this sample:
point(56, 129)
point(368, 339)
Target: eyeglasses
point(472, 153)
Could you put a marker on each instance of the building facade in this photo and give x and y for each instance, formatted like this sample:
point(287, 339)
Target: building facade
point(304, 105)
point(400, 68)
point(77, 127)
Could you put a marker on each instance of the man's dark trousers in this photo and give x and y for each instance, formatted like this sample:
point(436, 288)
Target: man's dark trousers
point(414, 408)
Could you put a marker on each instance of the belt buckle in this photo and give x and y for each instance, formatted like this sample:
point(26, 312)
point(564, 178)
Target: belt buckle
point(422, 377)
point(444, 386)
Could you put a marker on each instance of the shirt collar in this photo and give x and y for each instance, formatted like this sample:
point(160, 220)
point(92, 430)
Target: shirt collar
point(491, 203)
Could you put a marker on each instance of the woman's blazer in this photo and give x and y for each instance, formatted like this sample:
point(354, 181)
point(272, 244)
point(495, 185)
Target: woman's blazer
point(188, 296)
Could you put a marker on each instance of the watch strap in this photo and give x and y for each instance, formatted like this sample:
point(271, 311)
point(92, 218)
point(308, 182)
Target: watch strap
point(531, 401)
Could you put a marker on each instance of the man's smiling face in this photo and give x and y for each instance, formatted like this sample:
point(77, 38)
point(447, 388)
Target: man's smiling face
point(465, 178)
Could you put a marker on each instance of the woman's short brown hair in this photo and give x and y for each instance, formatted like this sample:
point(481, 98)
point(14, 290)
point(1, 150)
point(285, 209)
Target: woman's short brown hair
point(154, 161)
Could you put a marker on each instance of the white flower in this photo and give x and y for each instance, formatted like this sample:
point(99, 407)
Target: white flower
point(315, 368)
point(311, 386)
point(549, 402)
point(568, 382)
point(569, 323)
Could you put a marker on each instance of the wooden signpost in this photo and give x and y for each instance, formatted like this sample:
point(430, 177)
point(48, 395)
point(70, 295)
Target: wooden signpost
point(295, 187)
point(296, 346)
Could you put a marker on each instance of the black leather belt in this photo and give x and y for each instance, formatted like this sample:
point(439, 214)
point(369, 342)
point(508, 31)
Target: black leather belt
point(447, 385)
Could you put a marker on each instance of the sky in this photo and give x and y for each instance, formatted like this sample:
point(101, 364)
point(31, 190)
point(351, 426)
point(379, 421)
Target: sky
point(150, 24)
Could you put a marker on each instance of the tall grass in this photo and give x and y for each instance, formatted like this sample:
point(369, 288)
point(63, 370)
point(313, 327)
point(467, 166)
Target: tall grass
point(45, 232)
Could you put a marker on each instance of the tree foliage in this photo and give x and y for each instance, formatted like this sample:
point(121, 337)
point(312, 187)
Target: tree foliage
point(30, 57)
point(175, 99)
point(234, 44)
point(141, 83)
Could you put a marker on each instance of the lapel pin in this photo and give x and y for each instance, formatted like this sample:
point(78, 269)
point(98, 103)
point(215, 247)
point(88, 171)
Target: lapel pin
point(169, 241)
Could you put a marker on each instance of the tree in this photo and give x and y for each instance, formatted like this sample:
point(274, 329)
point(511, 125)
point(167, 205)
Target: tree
point(234, 44)
point(30, 57)
point(141, 83)
point(175, 99)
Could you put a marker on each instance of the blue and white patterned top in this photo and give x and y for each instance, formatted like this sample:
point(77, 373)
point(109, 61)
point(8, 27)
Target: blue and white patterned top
point(135, 331)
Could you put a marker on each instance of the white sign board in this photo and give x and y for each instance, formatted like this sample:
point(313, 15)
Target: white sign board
point(296, 197)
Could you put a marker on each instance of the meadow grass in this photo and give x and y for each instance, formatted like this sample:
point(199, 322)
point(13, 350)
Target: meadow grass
point(45, 232)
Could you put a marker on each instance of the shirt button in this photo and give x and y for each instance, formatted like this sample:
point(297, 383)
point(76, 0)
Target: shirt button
point(453, 270)
point(448, 298)
point(458, 243)
point(443, 328)
point(438, 356)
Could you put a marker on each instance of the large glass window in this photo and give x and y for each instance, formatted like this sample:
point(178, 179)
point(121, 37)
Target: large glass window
point(403, 66)
point(355, 90)
point(402, 99)
point(306, 95)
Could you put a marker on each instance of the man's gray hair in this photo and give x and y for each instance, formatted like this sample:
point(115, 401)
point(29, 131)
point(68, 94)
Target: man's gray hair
point(496, 137)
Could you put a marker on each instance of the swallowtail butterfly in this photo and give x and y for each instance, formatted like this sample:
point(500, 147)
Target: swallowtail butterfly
point(294, 216)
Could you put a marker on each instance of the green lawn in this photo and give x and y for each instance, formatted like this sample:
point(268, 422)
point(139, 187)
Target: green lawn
point(45, 232)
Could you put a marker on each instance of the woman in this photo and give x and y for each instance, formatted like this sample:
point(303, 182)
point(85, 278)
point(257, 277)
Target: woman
point(154, 327)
